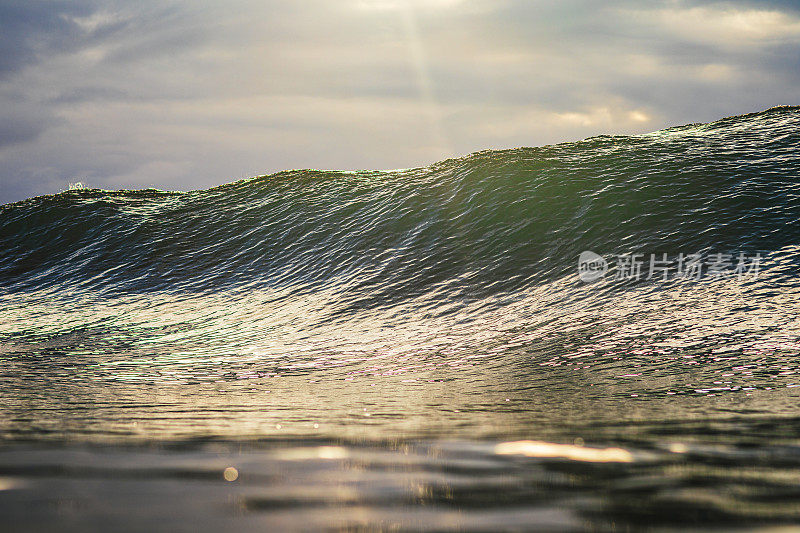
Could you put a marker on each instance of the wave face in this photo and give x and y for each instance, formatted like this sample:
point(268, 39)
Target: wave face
point(492, 222)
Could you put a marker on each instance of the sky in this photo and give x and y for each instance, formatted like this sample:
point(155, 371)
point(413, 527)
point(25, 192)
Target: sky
point(183, 95)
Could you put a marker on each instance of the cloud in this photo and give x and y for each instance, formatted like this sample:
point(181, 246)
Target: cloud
point(34, 29)
point(601, 116)
point(22, 123)
point(186, 95)
point(723, 25)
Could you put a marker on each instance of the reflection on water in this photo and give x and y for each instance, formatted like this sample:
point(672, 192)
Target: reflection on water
point(446, 486)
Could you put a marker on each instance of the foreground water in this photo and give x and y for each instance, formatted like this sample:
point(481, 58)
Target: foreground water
point(415, 349)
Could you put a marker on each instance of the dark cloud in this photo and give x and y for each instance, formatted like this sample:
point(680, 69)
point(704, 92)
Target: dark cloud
point(83, 94)
point(22, 121)
point(779, 5)
point(33, 29)
point(17, 127)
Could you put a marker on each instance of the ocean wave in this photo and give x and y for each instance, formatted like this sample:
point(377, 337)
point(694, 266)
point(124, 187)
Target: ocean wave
point(489, 223)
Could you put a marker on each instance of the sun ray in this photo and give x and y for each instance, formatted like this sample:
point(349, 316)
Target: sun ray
point(440, 142)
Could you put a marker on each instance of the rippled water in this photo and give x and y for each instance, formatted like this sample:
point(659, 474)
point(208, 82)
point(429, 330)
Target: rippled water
point(413, 349)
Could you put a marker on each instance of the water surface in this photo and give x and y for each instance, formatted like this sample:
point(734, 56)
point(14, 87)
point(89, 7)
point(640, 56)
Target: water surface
point(413, 349)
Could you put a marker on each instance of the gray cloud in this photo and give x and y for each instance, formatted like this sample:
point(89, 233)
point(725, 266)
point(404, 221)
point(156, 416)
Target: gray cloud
point(34, 29)
point(21, 122)
point(186, 95)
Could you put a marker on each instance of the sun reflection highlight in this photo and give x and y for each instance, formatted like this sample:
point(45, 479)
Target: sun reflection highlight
point(530, 448)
